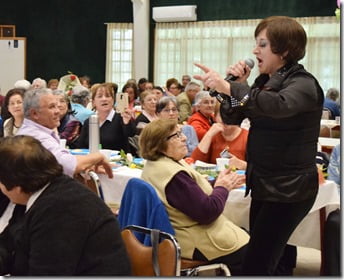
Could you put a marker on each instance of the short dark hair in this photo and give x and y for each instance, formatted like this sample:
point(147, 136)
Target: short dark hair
point(152, 140)
point(133, 86)
point(285, 35)
point(26, 163)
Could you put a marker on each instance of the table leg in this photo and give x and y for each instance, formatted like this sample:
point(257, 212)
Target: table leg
point(322, 216)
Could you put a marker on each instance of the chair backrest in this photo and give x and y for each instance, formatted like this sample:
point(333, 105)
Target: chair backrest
point(160, 259)
point(326, 114)
point(141, 206)
point(91, 180)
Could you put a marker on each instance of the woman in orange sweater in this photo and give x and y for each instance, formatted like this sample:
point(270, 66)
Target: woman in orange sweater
point(230, 137)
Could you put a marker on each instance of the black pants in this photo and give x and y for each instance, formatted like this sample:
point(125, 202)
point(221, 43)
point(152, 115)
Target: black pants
point(332, 244)
point(271, 225)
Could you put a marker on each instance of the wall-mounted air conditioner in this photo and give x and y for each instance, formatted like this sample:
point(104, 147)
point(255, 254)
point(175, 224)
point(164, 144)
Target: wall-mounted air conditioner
point(175, 13)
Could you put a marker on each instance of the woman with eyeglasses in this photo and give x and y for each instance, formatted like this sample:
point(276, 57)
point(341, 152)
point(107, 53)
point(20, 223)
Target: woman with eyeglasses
point(203, 118)
point(167, 108)
point(193, 205)
point(13, 111)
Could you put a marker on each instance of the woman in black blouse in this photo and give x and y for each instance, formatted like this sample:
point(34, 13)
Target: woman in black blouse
point(114, 128)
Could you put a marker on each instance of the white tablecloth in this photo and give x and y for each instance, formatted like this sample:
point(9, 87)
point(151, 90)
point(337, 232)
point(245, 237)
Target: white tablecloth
point(328, 142)
point(237, 208)
point(307, 234)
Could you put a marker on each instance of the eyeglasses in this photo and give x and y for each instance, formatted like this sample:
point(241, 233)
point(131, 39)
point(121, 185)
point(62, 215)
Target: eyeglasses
point(173, 110)
point(178, 134)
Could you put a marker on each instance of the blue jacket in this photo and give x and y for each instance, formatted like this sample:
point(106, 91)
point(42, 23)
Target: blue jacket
point(141, 206)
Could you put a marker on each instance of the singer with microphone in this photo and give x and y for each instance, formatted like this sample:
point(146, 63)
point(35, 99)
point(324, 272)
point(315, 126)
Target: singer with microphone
point(284, 106)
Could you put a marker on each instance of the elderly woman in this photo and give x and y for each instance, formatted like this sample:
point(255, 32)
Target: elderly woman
point(13, 111)
point(148, 114)
point(70, 126)
point(79, 100)
point(224, 140)
point(115, 128)
point(167, 108)
point(194, 207)
point(203, 118)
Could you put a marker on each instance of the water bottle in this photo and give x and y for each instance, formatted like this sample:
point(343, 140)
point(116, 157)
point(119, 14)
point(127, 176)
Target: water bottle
point(93, 133)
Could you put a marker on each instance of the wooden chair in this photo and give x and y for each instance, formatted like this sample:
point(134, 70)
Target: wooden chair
point(163, 258)
point(91, 180)
point(160, 259)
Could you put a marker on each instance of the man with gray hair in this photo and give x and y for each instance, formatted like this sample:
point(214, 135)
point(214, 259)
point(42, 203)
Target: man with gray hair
point(41, 119)
point(186, 99)
point(79, 100)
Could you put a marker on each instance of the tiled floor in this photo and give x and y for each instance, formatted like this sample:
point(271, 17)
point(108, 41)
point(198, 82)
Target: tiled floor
point(308, 262)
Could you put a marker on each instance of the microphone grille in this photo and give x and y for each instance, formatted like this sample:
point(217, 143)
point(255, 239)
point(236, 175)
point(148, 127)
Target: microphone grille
point(249, 62)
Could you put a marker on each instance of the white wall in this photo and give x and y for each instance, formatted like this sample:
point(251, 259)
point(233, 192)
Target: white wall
point(12, 62)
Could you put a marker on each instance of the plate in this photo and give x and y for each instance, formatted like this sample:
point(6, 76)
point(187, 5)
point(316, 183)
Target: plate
point(80, 151)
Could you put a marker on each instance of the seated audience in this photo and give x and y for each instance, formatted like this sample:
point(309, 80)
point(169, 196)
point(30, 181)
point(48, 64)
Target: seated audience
point(331, 104)
point(185, 80)
point(149, 86)
point(141, 84)
point(41, 119)
point(203, 118)
point(85, 81)
point(115, 128)
point(133, 94)
point(13, 112)
point(148, 114)
point(53, 84)
point(221, 137)
point(79, 100)
point(193, 205)
point(186, 99)
point(159, 92)
point(66, 230)
point(173, 87)
point(70, 126)
point(38, 83)
point(167, 108)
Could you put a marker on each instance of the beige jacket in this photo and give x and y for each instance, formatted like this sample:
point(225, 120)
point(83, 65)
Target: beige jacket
point(221, 237)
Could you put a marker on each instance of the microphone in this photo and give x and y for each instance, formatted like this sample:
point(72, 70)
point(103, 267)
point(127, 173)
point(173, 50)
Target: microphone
point(249, 62)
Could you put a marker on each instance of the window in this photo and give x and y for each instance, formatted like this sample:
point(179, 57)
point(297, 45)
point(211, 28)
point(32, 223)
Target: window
point(218, 44)
point(119, 54)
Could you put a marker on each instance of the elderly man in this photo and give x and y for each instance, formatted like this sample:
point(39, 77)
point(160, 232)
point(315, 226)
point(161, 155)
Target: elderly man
point(186, 99)
point(41, 119)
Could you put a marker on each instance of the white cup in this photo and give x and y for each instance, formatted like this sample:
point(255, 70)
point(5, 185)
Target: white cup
point(221, 162)
point(106, 153)
point(338, 120)
point(63, 143)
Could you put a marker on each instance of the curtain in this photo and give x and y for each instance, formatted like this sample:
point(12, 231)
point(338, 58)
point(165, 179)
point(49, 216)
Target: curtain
point(218, 44)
